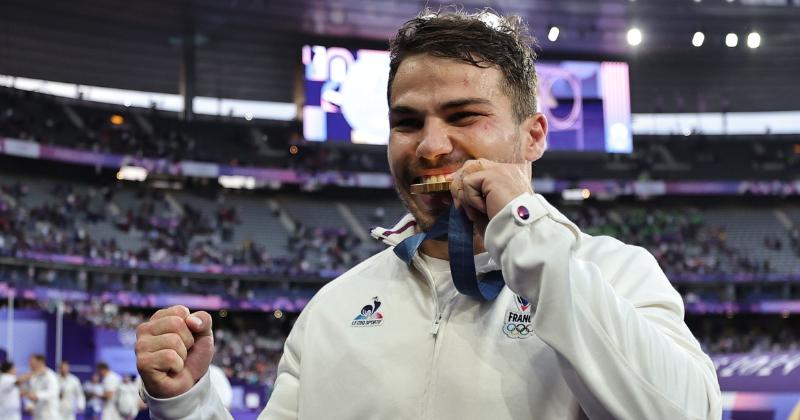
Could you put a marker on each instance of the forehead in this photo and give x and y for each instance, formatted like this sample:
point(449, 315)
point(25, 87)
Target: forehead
point(428, 79)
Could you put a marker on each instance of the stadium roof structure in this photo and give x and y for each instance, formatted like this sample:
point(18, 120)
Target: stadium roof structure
point(250, 49)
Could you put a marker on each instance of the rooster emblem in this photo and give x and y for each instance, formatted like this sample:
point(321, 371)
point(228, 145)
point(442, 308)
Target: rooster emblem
point(371, 311)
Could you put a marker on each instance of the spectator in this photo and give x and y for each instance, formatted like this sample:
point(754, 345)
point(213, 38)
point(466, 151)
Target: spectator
point(111, 382)
point(10, 406)
point(72, 400)
point(42, 389)
point(94, 391)
point(127, 400)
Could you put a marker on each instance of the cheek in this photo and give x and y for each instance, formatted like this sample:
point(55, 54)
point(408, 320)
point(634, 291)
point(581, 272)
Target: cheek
point(493, 141)
point(491, 136)
point(398, 152)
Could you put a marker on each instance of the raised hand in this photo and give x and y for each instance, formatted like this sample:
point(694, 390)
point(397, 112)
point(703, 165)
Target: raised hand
point(173, 350)
point(483, 187)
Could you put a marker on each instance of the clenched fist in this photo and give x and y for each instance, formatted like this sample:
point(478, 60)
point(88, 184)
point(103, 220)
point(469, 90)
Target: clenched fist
point(173, 350)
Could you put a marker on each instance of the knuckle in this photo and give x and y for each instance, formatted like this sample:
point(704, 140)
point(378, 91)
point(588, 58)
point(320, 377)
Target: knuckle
point(175, 323)
point(138, 348)
point(145, 344)
point(143, 361)
point(173, 358)
point(175, 341)
point(142, 329)
point(159, 313)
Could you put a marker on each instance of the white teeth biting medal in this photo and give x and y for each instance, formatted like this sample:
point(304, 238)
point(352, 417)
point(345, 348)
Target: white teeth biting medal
point(431, 184)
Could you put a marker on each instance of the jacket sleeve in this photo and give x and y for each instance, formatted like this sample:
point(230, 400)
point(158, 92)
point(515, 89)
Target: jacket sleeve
point(50, 389)
point(619, 334)
point(78, 390)
point(7, 384)
point(284, 403)
point(198, 403)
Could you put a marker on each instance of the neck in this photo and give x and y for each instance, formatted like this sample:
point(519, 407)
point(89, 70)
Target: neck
point(438, 248)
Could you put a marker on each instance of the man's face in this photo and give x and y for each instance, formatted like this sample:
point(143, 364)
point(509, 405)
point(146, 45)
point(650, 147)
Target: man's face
point(444, 112)
point(64, 369)
point(34, 363)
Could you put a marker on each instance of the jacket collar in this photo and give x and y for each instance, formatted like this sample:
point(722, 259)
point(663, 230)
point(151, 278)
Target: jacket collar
point(392, 236)
point(407, 226)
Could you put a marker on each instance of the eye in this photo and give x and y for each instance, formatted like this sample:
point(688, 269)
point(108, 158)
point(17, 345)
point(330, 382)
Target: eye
point(462, 117)
point(406, 124)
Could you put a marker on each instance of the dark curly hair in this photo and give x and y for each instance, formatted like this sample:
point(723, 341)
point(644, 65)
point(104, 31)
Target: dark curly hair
point(483, 39)
point(6, 367)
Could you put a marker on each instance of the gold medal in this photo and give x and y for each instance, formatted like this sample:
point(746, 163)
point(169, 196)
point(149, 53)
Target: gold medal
point(431, 187)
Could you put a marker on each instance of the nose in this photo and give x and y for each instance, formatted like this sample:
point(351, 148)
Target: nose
point(435, 140)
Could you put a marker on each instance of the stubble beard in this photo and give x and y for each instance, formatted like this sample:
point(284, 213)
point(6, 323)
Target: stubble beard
point(424, 221)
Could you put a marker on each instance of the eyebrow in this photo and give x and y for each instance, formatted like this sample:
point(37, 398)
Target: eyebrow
point(456, 103)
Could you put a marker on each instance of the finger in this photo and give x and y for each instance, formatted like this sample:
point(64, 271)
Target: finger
point(177, 310)
point(455, 191)
point(156, 343)
point(473, 194)
point(172, 324)
point(472, 214)
point(199, 323)
point(203, 351)
point(163, 361)
point(457, 183)
point(472, 166)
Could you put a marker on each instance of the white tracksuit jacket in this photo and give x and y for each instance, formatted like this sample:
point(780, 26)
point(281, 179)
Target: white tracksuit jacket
point(603, 337)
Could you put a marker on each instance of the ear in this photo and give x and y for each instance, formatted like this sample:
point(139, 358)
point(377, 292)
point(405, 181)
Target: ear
point(534, 137)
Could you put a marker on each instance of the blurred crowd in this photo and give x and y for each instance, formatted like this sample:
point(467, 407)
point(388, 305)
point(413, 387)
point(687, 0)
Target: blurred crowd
point(751, 342)
point(33, 116)
point(171, 234)
point(146, 133)
point(681, 239)
point(45, 393)
point(747, 334)
point(174, 233)
point(794, 238)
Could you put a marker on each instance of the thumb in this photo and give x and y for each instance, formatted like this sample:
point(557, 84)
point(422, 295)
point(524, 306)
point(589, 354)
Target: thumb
point(202, 351)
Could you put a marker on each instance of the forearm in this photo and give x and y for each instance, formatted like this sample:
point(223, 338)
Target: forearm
point(622, 359)
point(198, 403)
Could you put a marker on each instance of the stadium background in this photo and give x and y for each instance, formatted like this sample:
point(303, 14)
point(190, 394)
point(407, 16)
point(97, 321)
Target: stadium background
point(112, 201)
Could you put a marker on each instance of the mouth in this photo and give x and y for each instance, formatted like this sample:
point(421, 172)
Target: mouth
point(428, 184)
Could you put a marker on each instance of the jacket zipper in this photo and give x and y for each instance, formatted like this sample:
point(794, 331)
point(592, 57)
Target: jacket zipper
point(436, 323)
point(437, 320)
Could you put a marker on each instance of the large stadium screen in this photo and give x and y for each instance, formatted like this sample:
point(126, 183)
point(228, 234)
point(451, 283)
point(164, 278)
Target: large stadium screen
point(587, 103)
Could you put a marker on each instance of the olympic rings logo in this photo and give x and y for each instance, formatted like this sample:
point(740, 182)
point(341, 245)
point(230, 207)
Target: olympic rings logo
point(514, 330)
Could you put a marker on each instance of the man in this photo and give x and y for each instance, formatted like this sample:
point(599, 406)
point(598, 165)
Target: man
point(110, 382)
point(94, 391)
point(72, 400)
point(575, 327)
point(42, 389)
point(128, 402)
point(10, 405)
